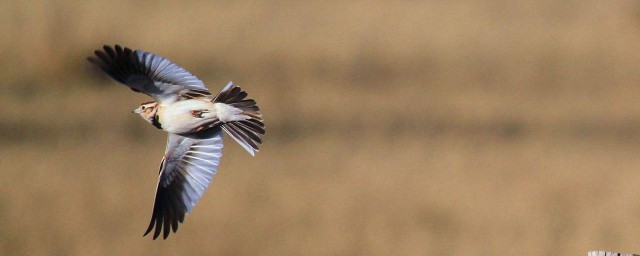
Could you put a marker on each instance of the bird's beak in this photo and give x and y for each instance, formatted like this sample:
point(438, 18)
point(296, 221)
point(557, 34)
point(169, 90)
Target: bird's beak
point(136, 111)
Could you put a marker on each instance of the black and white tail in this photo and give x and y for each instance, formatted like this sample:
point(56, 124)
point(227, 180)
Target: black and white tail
point(248, 133)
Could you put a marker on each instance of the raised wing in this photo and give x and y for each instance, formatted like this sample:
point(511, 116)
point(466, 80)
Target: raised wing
point(147, 73)
point(189, 164)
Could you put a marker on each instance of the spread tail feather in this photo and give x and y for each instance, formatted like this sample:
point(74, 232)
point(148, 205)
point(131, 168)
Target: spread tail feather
point(248, 132)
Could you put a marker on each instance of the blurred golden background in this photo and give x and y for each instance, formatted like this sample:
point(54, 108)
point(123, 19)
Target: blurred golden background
point(393, 127)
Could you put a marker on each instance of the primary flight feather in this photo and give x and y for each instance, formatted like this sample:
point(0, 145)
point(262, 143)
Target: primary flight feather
point(194, 119)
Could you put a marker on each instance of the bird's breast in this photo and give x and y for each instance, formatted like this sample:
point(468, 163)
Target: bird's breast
point(179, 117)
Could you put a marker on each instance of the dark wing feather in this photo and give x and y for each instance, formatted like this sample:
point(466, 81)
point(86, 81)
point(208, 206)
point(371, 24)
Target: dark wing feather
point(147, 73)
point(186, 171)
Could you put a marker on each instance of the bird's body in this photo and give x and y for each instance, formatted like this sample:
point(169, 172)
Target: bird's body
point(194, 120)
point(192, 115)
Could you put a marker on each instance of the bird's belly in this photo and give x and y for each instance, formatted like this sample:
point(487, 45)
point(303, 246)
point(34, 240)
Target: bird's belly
point(179, 117)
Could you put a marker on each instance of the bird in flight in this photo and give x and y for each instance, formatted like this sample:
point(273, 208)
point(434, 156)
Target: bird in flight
point(194, 120)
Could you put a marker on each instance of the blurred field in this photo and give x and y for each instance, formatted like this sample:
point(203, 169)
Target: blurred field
point(394, 128)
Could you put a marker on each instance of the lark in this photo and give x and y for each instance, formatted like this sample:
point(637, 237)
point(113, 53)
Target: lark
point(194, 119)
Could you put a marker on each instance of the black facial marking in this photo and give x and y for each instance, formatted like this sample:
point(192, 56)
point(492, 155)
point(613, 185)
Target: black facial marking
point(155, 122)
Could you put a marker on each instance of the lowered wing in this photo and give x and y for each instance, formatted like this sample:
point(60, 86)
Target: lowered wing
point(189, 164)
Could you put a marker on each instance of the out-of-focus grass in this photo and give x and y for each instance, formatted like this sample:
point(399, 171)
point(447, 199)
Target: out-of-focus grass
point(394, 128)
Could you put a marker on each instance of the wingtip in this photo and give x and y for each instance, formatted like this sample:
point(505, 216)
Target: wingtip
point(150, 228)
point(147, 232)
point(155, 235)
point(228, 86)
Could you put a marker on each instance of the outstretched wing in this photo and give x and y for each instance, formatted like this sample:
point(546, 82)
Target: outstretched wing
point(189, 164)
point(147, 73)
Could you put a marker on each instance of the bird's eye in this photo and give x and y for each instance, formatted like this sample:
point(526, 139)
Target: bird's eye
point(143, 107)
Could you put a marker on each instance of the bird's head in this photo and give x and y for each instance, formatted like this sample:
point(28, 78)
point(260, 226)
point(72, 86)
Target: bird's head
point(147, 111)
